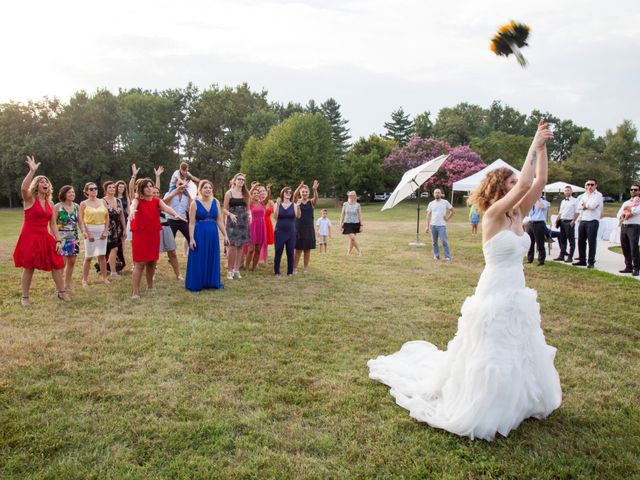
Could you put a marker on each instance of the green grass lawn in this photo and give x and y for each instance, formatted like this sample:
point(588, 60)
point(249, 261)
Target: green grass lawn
point(268, 378)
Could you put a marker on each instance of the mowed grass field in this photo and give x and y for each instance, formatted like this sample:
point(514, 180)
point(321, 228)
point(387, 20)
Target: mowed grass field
point(268, 378)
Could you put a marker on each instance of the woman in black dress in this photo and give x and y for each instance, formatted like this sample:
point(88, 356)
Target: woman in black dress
point(305, 229)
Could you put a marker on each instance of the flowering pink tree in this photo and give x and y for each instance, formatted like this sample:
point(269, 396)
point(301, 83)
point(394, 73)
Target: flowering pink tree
point(416, 152)
point(461, 163)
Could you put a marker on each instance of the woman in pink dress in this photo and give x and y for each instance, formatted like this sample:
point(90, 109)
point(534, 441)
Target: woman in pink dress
point(257, 228)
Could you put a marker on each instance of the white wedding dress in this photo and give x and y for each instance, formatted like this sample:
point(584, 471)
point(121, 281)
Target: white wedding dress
point(496, 371)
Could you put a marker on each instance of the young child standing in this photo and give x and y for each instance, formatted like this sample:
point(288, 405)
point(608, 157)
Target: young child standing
point(323, 229)
point(474, 218)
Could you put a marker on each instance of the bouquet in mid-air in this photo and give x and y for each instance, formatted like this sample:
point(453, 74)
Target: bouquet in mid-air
point(511, 37)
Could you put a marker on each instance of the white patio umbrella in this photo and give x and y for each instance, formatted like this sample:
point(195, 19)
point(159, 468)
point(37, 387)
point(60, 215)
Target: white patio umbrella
point(558, 187)
point(411, 181)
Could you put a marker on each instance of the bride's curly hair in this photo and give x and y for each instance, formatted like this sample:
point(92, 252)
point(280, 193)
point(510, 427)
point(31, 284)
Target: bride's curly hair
point(491, 189)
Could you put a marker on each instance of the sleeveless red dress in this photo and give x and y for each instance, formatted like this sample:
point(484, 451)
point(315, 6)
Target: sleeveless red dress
point(145, 231)
point(268, 223)
point(36, 247)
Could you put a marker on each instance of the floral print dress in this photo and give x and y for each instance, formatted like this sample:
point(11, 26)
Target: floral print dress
point(67, 224)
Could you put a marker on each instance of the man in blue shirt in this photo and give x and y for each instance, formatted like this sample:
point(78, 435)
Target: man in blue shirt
point(537, 228)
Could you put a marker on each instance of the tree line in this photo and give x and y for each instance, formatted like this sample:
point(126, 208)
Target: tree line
point(222, 130)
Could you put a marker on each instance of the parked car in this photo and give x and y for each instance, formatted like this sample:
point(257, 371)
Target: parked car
point(608, 199)
point(381, 197)
point(424, 195)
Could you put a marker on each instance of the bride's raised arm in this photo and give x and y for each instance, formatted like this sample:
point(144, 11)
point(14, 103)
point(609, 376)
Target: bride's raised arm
point(541, 165)
point(527, 190)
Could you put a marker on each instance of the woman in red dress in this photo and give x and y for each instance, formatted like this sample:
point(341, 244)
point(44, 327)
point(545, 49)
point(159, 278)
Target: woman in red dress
point(39, 245)
point(145, 232)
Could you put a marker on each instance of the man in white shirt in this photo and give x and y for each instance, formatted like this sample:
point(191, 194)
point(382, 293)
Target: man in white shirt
point(590, 205)
point(629, 214)
point(439, 211)
point(567, 224)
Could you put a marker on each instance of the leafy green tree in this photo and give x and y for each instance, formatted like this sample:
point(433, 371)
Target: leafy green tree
point(94, 138)
point(339, 132)
point(505, 119)
point(623, 150)
point(257, 125)
point(457, 125)
point(511, 148)
point(152, 123)
point(566, 134)
point(363, 166)
point(216, 127)
point(299, 148)
point(589, 161)
point(558, 172)
point(28, 129)
point(423, 125)
point(400, 128)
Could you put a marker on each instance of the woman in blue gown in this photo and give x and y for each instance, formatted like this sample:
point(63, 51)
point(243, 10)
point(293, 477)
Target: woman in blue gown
point(203, 264)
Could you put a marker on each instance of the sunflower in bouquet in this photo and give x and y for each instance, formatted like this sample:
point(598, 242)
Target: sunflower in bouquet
point(511, 37)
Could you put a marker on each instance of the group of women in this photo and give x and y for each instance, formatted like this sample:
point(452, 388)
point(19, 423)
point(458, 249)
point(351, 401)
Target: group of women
point(49, 239)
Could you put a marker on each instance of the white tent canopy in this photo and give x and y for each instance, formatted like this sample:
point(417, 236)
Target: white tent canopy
point(558, 187)
point(470, 183)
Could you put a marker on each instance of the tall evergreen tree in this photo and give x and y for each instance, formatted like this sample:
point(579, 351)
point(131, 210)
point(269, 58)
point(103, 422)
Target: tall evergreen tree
point(400, 128)
point(339, 132)
point(312, 107)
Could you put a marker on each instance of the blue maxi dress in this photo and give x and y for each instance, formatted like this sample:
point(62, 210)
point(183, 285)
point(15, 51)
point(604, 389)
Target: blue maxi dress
point(203, 264)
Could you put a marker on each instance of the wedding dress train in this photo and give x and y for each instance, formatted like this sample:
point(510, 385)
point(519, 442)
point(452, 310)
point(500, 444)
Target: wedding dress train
point(497, 370)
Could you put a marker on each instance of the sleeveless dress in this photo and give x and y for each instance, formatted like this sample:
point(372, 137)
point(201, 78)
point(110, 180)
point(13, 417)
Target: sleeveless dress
point(203, 264)
point(67, 224)
point(257, 229)
point(270, 235)
point(36, 247)
point(238, 233)
point(114, 240)
point(306, 233)
point(145, 231)
point(268, 223)
point(497, 370)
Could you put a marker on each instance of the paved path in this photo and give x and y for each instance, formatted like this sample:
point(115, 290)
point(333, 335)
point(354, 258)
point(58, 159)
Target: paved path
point(606, 260)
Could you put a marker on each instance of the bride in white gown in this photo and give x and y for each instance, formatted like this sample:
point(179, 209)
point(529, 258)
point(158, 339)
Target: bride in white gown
point(497, 370)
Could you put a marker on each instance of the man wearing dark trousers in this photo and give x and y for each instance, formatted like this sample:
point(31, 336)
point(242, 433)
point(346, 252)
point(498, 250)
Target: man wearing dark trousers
point(590, 205)
point(536, 229)
point(566, 223)
point(629, 214)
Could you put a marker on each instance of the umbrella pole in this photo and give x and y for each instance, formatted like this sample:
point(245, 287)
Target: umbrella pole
point(417, 243)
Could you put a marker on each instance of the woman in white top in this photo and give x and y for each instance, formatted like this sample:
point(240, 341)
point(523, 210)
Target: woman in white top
point(351, 221)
